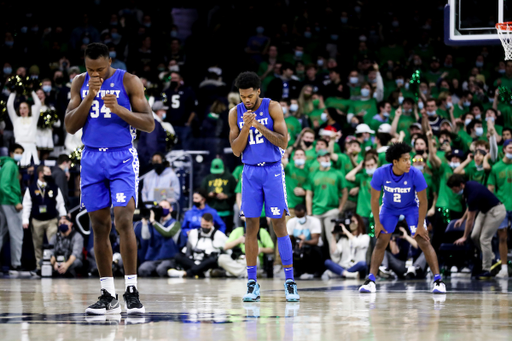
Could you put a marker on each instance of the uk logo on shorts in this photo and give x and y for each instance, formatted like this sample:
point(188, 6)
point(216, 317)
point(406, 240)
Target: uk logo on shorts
point(275, 211)
point(120, 197)
point(413, 229)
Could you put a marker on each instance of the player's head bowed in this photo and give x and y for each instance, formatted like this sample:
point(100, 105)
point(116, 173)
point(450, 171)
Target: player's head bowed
point(248, 84)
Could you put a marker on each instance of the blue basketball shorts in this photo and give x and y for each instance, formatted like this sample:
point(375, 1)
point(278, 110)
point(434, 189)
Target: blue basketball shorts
point(109, 177)
point(264, 184)
point(389, 218)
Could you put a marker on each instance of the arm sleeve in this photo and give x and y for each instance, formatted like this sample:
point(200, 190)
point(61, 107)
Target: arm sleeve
point(380, 87)
point(376, 182)
point(10, 108)
point(168, 230)
point(78, 245)
point(27, 207)
point(61, 206)
point(493, 148)
point(9, 183)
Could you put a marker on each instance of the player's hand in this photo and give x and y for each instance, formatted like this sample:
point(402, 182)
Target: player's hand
point(299, 191)
point(378, 229)
point(95, 85)
point(460, 241)
point(18, 207)
point(248, 118)
point(111, 102)
point(422, 232)
point(458, 223)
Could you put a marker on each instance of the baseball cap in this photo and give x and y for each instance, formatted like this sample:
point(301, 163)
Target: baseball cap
point(446, 121)
point(459, 153)
point(507, 142)
point(159, 105)
point(417, 125)
point(384, 128)
point(364, 128)
point(322, 152)
point(217, 166)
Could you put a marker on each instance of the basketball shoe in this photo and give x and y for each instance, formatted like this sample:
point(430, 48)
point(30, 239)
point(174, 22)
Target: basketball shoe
point(106, 305)
point(253, 292)
point(368, 287)
point(439, 287)
point(131, 301)
point(290, 289)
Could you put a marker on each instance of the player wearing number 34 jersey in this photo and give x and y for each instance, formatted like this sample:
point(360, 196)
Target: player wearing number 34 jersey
point(109, 104)
point(404, 193)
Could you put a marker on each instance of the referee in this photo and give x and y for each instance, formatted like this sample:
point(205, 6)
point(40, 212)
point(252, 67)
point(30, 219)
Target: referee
point(492, 213)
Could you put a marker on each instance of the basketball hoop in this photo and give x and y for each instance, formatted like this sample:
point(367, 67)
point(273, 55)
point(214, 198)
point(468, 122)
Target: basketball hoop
point(505, 33)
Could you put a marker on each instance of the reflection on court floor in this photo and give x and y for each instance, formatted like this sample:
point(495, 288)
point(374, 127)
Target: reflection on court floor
point(34, 309)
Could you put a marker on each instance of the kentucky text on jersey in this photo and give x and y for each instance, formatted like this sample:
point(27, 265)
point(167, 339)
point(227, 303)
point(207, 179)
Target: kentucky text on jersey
point(262, 121)
point(397, 190)
point(102, 93)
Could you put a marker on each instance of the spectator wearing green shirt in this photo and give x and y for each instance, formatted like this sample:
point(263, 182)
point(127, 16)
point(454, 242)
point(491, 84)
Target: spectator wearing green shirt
point(420, 163)
point(382, 117)
point(362, 133)
point(449, 205)
point(10, 203)
point(292, 123)
point(296, 176)
point(305, 142)
point(473, 167)
point(326, 194)
point(365, 106)
point(362, 178)
point(404, 117)
point(500, 183)
point(462, 107)
point(506, 79)
point(235, 263)
point(492, 115)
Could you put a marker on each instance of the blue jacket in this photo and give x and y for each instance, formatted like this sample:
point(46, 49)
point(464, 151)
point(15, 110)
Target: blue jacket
point(160, 247)
point(193, 216)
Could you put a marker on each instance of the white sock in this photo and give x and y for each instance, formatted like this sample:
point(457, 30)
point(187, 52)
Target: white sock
point(130, 280)
point(107, 283)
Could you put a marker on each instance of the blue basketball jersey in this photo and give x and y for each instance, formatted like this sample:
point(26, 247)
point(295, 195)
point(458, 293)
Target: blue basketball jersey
point(259, 149)
point(104, 129)
point(399, 192)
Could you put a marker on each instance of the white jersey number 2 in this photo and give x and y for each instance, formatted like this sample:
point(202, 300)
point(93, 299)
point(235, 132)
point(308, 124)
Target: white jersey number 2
point(95, 110)
point(259, 137)
point(397, 197)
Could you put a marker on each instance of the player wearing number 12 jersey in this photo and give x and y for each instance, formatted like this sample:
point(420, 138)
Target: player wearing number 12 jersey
point(405, 193)
point(109, 105)
point(258, 132)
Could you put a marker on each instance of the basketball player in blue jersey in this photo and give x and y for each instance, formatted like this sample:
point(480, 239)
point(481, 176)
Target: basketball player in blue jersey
point(258, 133)
point(405, 193)
point(109, 105)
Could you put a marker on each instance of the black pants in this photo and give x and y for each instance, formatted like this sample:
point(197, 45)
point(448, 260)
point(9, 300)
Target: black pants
point(192, 268)
point(439, 226)
point(228, 220)
point(308, 260)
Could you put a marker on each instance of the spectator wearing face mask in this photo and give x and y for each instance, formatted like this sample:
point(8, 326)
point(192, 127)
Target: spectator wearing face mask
point(44, 203)
point(162, 177)
point(500, 183)
point(10, 203)
point(292, 123)
point(326, 193)
point(296, 176)
point(430, 117)
point(365, 106)
point(363, 136)
point(474, 131)
point(361, 176)
point(449, 206)
point(203, 248)
point(305, 141)
point(24, 122)
point(67, 250)
point(44, 136)
point(192, 220)
point(220, 186)
point(382, 117)
point(419, 161)
point(116, 63)
point(60, 175)
point(463, 105)
point(473, 167)
point(164, 242)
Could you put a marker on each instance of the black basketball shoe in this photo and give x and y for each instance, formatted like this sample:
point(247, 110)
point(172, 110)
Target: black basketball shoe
point(106, 305)
point(131, 300)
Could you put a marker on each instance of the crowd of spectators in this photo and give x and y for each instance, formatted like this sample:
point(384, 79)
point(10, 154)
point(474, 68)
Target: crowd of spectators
point(351, 77)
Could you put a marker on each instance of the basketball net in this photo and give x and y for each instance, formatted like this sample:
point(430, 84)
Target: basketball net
point(505, 33)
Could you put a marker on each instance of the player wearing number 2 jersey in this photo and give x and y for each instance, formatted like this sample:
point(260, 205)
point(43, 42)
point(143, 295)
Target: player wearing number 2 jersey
point(258, 132)
point(109, 105)
point(405, 193)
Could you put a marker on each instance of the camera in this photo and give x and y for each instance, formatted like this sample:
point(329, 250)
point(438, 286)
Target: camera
point(145, 211)
point(344, 220)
